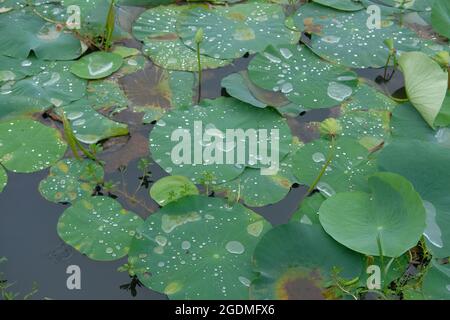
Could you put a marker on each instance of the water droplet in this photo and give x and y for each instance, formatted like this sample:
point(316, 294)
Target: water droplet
point(255, 228)
point(161, 240)
point(74, 115)
point(170, 222)
point(161, 123)
point(443, 136)
point(26, 63)
point(286, 53)
point(330, 39)
point(246, 282)
point(339, 91)
point(432, 231)
point(54, 78)
point(6, 75)
point(318, 157)
point(306, 220)
point(326, 189)
point(185, 245)
point(132, 62)
point(96, 68)
point(235, 247)
point(286, 87)
point(271, 58)
point(109, 250)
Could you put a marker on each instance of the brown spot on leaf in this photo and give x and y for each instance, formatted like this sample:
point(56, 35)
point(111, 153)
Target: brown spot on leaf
point(310, 27)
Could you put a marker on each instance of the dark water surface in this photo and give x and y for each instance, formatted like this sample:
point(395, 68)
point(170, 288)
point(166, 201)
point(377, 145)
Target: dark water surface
point(28, 236)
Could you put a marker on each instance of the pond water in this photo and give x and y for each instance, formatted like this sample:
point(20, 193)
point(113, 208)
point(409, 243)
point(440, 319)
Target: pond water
point(28, 236)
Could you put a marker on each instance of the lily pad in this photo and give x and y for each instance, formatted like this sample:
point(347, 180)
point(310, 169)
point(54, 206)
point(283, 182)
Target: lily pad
point(156, 27)
point(70, 180)
point(366, 97)
point(12, 69)
point(98, 227)
point(427, 166)
point(308, 212)
point(29, 146)
point(440, 17)
point(392, 216)
point(344, 38)
point(106, 94)
point(232, 31)
point(426, 84)
point(347, 171)
point(198, 248)
point(291, 69)
point(236, 87)
point(296, 261)
point(97, 65)
point(204, 157)
point(54, 86)
point(36, 35)
point(3, 179)
point(436, 283)
point(88, 125)
point(172, 188)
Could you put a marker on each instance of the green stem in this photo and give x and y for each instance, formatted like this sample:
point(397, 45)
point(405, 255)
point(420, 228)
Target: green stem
point(325, 166)
point(71, 140)
point(386, 66)
point(199, 73)
point(380, 252)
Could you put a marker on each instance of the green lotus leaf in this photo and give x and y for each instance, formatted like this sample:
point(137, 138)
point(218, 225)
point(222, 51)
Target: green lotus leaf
point(172, 188)
point(440, 17)
point(347, 171)
point(236, 87)
point(154, 90)
point(12, 69)
point(414, 5)
point(98, 227)
point(391, 218)
point(213, 120)
point(97, 65)
point(436, 283)
point(198, 248)
point(53, 86)
point(295, 261)
point(344, 37)
point(443, 117)
point(106, 94)
point(308, 212)
point(426, 84)
point(427, 166)
point(366, 97)
point(344, 5)
point(43, 38)
point(232, 31)
point(257, 190)
point(70, 180)
point(29, 146)
point(290, 68)
point(125, 52)
point(88, 125)
point(156, 27)
point(3, 178)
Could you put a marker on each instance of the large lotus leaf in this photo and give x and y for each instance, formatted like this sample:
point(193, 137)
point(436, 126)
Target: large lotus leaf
point(35, 34)
point(436, 283)
point(70, 180)
point(54, 85)
point(205, 157)
point(443, 117)
point(390, 218)
point(407, 123)
point(154, 90)
point(370, 128)
point(427, 166)
point(156, 27)
point(88, 125)
point(3, 178)
point(12, 69)
point(440, 17)
point(29, 146)
point(230, 32)
point(296, 261)
point(344, 37)
point(236, 87)
point(257, 190)
point(347, 171)
point(426, 84)
point(105, 94)
point(198, 248)
point(291, 69)
point(344, 5)
point(99, 227)
point(308, 212)
point(97, 65)
point(172, 188)
point(366, 97)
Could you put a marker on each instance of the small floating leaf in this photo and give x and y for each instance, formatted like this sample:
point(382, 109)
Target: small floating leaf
point(98, 227)
point(97, 65)
point(198, 248)
point(392, 215)
point(29, 146)
point(172, 188)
